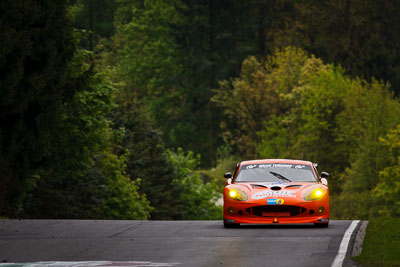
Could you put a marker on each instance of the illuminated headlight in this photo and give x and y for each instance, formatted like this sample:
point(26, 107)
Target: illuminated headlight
point(314, 194)
point(237, 194)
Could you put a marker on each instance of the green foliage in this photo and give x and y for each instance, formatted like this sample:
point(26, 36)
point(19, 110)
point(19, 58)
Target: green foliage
point(150, 64)
point(95, 18)
point(294, 106)
point(36, 47)
point(359, 35)
point(122, 200)
point(381, 246)
point(286, 107)
point(247, 102)
point(263, 91)
point(195, 200)
point(387, 191)
point(68, 149)
point(172, 53)
point(353, 205)
point(274, 140)
point(313, 121)
point(82, 177)
point(370, 113)
point(215, 175)
point(148, 54)
point(146, 158)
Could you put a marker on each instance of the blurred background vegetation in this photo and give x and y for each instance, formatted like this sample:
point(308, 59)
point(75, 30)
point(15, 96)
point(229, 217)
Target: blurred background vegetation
point(134, 109)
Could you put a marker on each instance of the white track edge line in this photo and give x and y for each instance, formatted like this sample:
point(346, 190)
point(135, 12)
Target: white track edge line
point(338, 261)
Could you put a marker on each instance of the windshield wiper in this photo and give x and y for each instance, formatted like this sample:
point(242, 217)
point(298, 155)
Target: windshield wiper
point(280, 176)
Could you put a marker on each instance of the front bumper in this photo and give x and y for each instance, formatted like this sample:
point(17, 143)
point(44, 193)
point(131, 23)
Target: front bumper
point(248, 213)
point(277, 220)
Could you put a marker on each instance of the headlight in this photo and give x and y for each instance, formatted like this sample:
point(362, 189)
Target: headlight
point(237, 194)
point(314, 193)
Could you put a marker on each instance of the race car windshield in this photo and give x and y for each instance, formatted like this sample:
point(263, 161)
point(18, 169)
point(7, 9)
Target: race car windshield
point(275, 172)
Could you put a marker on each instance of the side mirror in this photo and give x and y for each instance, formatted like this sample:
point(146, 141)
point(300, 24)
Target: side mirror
point(324, 175)
point(324, 181)
point(228, 175)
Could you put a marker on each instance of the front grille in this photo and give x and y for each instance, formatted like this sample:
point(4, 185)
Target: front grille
point(275, 211)
point(276, 188)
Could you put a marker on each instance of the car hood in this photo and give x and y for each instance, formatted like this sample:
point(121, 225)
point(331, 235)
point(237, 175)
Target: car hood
point(274, 185)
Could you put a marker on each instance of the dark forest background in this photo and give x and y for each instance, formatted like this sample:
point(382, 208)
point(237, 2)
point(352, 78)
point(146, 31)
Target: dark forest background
point(128, 109)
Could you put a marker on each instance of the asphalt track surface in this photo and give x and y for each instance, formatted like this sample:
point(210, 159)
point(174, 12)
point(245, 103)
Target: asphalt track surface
point(169, 243)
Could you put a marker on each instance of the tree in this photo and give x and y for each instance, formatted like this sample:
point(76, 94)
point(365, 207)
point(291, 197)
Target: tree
point(146, 157)
point(82, 177)
point(96, 17)
point(370, 112)
point(36, 49)
point(369, 115)
point(361, 36)
point(387, 190)
point(195, 200)
point(274, 138)
point(171, 54)
point(312, 120)
point(257, 95)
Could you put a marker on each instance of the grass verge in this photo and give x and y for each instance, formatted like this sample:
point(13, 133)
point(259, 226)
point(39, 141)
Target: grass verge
point(381, 246)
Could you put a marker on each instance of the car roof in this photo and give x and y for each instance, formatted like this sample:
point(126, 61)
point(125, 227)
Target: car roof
point(288, 161)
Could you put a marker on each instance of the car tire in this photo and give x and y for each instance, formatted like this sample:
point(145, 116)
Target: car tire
point(231, 225)
point(321, 225)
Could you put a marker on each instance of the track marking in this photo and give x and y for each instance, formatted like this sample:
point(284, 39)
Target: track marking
point(338, 262)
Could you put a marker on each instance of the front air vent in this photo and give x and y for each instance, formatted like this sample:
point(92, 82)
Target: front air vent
point(258, 186)
point(292, 186)
point(276, 188)
point(275, 211)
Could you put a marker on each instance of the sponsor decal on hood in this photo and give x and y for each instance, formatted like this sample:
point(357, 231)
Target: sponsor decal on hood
point(270, 193)
point(274, 201)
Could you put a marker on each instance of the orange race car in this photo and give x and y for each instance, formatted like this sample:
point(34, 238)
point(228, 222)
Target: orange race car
point(276, 191)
